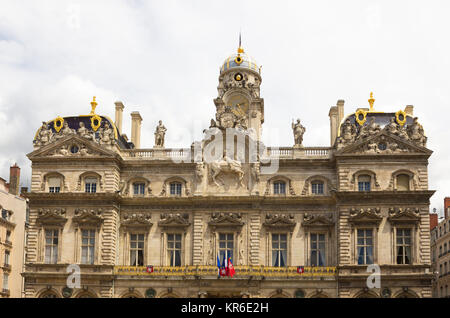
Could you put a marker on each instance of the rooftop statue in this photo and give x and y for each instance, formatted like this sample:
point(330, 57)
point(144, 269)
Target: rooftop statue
point(160, 135)
point(298, 130)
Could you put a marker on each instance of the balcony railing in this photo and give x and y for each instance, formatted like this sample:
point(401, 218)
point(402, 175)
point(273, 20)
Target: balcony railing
point(202, 270)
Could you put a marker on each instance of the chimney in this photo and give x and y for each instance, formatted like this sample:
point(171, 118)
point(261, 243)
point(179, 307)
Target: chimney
point(14, 179)
point(447, 207)
point(136, 120)
point(409, 110)
point(336, 115)
point(433, 220)
point(333, 124)
point(119, 113)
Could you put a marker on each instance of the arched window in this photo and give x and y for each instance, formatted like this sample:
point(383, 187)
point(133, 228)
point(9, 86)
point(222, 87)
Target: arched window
point(402, 182)
point(279, 187)
point(54, 184)
point(364, 182)
point(317, 187)
point(176, 188)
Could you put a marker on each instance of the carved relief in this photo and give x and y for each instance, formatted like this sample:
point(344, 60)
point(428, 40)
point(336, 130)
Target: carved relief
point(226, 166)
point(404, 215)
point(53, 216)
point(416, 133)
point(136, 220)
point(233, 220)
point(280, 221)
point(317, 220)
point(83, 216)
point(365, 216)
point(174, 220)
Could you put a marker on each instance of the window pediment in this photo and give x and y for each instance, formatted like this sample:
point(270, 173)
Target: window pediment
point(222, 220)
point(55, 216)
point(136, 221)
point(169, 220)
point(317, 221)
point(279, 221)
point(404, 216)
point(88, 217)
point(365, 216)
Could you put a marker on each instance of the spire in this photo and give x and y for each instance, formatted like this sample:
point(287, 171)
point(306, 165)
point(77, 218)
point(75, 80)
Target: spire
point(240, 48)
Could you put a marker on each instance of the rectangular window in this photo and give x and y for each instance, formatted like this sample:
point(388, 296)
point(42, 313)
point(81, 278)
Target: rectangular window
point(54, 185)
point(364, 247)
point(279, 250)
point(90, 185)
point(317, 188)
point(317, 249)
point(403, 246)
point(51, 246)
point(137, 249)
point(279, 188)
point(174, 249)
point(138, 188)
point(8, 236)
point(175, 188)
point(87, 246)
point(5, 214)
point(5, 281)
point(226, 245)
point(364, 186)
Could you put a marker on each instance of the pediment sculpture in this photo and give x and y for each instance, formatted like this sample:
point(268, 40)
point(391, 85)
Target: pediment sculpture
point(312, 220)
point(84, 216)
point(365, 216)
point(399, 215)
point(53, 216)
point(233, 220)
point(174, 220)
point(280, 221)
point(136, 220)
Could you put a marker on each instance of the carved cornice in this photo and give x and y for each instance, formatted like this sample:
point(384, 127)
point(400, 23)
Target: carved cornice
point(169, 220)
point(279, 221)
point(404, 216)
point(136, 221)
point(88, 217)
point(54, 216)
point(365, 216)
point(317, 221)
point(230, 220)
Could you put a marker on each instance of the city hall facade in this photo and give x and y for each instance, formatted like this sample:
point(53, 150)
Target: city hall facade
point(295, 221)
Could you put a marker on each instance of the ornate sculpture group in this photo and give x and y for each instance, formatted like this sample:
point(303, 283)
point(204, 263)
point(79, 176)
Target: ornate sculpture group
point(350, 133)
point(46, 135)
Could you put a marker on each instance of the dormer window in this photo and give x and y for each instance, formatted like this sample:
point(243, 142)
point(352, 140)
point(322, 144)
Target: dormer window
point(279, 187)
point(364, 183)
point(54, 185)
point(317, 187)
point(90, 185)
point(138, 188)
point(175, 188)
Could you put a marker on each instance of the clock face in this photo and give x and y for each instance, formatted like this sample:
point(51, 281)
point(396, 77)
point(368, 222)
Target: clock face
point(239, 105)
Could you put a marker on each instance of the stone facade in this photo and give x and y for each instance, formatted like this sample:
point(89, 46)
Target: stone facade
point(152, 222)
point(440, 251)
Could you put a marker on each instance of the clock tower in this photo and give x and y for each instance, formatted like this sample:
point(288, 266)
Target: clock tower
point(239, 92)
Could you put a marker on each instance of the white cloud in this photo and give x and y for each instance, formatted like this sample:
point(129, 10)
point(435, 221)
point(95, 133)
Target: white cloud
point(162, 59)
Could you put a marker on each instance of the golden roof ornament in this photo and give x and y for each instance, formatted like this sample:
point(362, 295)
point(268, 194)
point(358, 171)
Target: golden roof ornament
point(240, 48)
point(371, 101)
point(93, 104)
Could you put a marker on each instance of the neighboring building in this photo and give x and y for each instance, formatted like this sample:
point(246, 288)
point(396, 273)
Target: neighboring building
point(295, 221)
point(440, 251)
point(13, 208)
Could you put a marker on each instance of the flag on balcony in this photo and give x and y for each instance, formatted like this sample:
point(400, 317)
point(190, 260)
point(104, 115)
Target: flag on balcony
point(150, 269)
point(230, 268)
point(218, 266)
point(222, 269)
point(300, 269)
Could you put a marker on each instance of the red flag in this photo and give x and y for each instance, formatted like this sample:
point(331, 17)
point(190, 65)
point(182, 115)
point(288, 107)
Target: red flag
point(230, 268)
point(223, 271)
point(150, 269)
point(300, 269)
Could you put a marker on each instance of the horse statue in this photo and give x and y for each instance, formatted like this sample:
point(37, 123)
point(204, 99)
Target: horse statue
point(226, 165)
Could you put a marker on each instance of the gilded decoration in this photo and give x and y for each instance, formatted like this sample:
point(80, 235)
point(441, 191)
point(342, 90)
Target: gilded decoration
point(400, 117)
point(58, 123)
point(360, 117)
point(96, 122)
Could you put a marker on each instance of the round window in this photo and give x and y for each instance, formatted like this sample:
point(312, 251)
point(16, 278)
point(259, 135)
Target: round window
point(74, 149)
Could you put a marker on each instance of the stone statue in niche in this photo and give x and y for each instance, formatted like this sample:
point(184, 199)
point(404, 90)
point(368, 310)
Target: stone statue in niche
point(298, 130)
point(160, 135)
point(45, 135)
point(416, 133)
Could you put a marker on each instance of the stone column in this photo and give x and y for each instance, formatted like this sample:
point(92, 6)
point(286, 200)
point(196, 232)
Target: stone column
point(119, 115)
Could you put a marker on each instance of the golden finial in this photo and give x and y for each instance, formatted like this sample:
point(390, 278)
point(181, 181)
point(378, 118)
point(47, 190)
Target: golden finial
point(240, 48)
point(371, 101)
point(93, 104)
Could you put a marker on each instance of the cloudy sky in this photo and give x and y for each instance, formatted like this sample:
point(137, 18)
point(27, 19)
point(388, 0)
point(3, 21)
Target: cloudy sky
point(162, 58)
